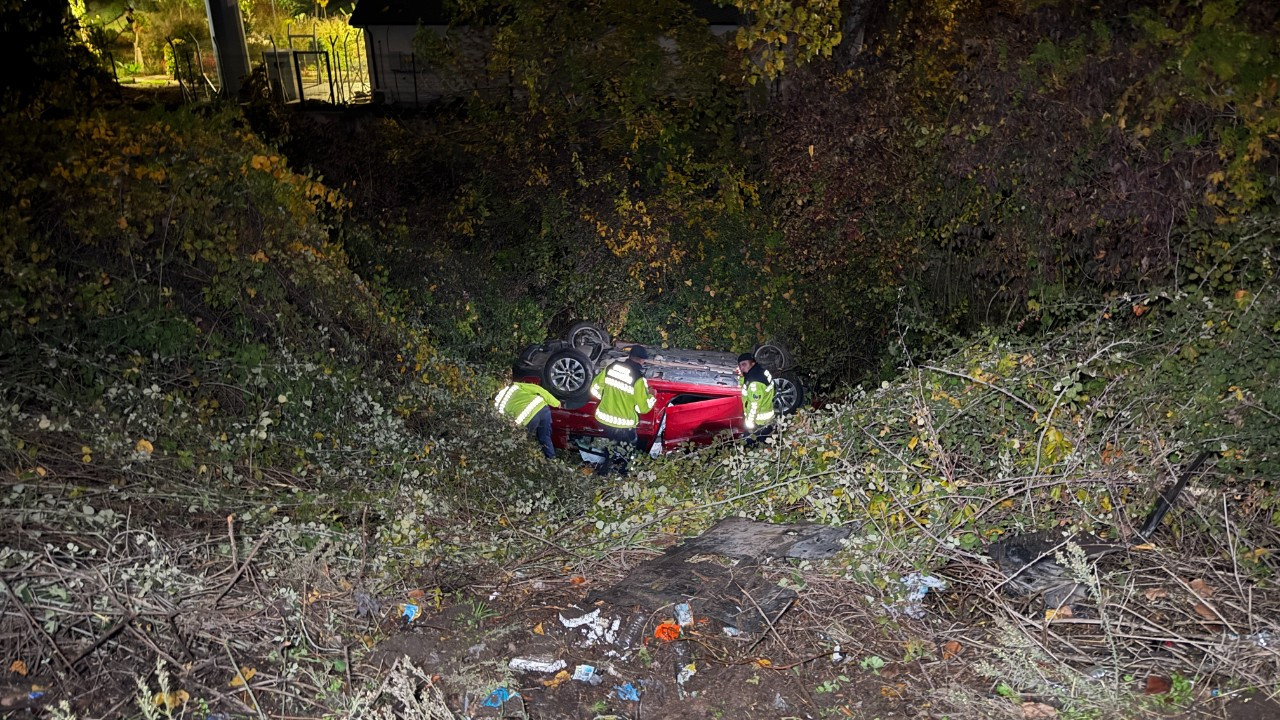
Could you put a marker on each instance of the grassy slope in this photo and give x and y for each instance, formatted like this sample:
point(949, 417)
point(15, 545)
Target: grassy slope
point(159, 436)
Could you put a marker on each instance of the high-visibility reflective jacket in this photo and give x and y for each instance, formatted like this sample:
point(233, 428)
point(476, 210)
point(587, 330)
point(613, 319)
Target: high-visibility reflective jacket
point(623, 393)
point(521, 401)
point(757, 397)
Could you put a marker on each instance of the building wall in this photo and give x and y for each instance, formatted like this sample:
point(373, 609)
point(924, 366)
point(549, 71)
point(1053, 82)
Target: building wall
point(401, 77)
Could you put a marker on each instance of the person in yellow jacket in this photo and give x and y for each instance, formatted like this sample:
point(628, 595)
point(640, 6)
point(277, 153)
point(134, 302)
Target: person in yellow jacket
point(530, 406)
point(623, 397)
point(757, 398)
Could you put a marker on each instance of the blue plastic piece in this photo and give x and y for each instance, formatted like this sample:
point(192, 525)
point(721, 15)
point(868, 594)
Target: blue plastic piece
point(500, 696)
point(627, 692)
point(410, 612)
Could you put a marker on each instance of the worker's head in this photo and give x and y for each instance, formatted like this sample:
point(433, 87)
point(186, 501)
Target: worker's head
point(638, 354)
point(746, 361)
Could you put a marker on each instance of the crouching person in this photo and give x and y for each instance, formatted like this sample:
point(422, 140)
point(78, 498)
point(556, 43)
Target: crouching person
point(529, 406)
point(757, 398)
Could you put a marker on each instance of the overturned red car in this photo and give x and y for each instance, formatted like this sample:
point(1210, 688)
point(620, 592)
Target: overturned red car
point(697, 396)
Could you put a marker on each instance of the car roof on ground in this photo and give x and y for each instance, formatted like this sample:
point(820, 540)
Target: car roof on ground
point(695, 367)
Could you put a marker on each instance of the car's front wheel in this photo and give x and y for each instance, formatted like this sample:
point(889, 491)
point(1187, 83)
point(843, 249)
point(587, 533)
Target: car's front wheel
point(788, 393)
point(567, 374)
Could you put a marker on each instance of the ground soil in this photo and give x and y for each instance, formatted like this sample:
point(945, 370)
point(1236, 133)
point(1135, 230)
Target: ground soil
point(730, 682)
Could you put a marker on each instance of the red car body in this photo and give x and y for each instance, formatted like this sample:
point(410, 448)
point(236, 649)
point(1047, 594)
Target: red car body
point(697, 406)
point(693, 414)
point(697, 398)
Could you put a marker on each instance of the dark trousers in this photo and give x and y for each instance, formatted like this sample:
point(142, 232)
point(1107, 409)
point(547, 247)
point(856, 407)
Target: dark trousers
point(540, 428)
point(757, 436)
point(620, 446)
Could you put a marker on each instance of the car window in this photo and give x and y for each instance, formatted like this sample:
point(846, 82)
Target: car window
point(687, 398)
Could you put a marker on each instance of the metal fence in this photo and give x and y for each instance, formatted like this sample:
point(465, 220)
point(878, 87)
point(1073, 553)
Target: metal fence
point(331, 70)
point(190, 65)
point(328, 70)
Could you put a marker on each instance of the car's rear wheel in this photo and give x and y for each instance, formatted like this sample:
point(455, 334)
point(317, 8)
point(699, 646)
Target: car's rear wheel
point(773, 355)
point(588, 337)
point(567, 374)
point(788, 393)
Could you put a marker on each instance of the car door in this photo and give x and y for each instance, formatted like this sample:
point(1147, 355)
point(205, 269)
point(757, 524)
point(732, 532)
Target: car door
point(699, 417)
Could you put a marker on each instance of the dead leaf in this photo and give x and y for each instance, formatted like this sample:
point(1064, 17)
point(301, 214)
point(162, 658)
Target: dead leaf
point(537, 629)
point(244, 676)
point(764, 662)
point(417, 594)
point(1139, 309)
point(1205, 611)
point(171, 700)
point(950, 649)
point(1155, 593)
point(18, 666)
point(1038, 711)
point(577, 579)
point(1062, 613)
point(557, 680)
point(1144, 546)
point(1157, 685)
point(1201, 588)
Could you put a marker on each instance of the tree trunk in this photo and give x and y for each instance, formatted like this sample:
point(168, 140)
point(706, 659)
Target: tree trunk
point(137, 48)
point(854, 15)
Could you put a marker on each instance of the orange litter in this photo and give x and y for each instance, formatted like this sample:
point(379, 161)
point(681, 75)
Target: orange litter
point(667, 631)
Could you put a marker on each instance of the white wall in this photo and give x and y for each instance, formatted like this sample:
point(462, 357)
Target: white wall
point(392, 65)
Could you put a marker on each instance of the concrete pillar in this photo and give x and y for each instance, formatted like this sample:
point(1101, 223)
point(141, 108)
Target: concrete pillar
point(227, 30)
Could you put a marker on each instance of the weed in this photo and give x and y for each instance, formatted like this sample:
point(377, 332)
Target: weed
point(1181, 691)
point(477, 612)
point(916, 648)
point(831, 686)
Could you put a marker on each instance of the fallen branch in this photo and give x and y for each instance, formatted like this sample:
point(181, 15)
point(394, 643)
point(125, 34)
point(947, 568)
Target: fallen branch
point(997, 388)
point(239, 675)
point(105, 637)
point(257, 546)
point(39, 628)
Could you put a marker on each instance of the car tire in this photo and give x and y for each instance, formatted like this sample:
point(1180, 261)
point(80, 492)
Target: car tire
point(568, 374)
point(587, 337)
point(773, 355)
point(788, 393)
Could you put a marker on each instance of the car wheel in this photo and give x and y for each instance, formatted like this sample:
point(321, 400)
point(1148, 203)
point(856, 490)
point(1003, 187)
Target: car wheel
point(773, 355)
point(587, 336)
point(788, 393)
point(567, 374)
